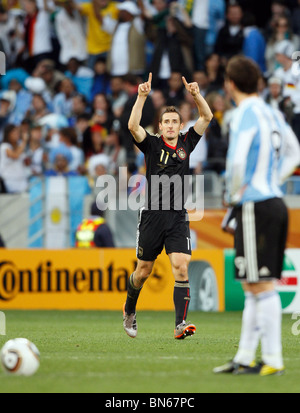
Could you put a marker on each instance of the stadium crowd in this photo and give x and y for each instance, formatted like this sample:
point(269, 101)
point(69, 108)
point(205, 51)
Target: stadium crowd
point(73, 68)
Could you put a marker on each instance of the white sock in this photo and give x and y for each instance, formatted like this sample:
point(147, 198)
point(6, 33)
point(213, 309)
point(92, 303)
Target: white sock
point(269, 321)
point(250, 334)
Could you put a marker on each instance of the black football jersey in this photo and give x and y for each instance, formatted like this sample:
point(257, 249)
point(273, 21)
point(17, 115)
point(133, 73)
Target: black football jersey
point(166, 169)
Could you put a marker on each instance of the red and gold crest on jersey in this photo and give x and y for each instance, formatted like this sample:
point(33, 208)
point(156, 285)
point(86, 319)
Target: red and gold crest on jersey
point(181, 153)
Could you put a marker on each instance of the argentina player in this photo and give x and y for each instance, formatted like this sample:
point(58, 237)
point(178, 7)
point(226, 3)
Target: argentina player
point(263, 151)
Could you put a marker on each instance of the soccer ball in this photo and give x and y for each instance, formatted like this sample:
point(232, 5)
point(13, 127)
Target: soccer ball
point(20, 357)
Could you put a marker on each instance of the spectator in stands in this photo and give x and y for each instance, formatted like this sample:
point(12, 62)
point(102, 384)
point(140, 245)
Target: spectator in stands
point(289, 74)
point(168, 34)
point(12, 156)
point(101, 111)
point(187, 115)
point(215, 72)
point(60, 159)
point(23, 102)
point(158, 98)
point(181, 24)
point(282, 31)
point(93, 140)
point(275, 98)
point(99, 15)
point(216, 143)
point(7, 105)
point(117, 96)
point(296, 20)
point(262, 88)
point(52, 123)
point(94, 231)
point(127, 53)
point(135, 180)
point(11, 34)
point(25, 126)
point(159, 101)
point(175, 90)
point(200, 19)
point(97, 166)
point(35, 154)
point(4, 41)
point(79, 106)
point(37, 86)
point(101, 79)
point(216, 14)
point(68, 137)
point(45, 69)
point(16, 73)
point(81, 76)
point(38, 108)
point(114, 150)
point(70, 33)
point(254, 45)
point(37, 33)
point(201, 77)
point(278, 9)
point(230, 37)
point(62, 101)
point(82, 124)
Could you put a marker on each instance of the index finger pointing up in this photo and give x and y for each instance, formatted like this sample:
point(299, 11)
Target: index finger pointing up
point(184, 81)
point(150, 78)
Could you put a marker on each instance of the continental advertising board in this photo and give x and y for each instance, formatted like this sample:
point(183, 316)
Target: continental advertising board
point(97, 279)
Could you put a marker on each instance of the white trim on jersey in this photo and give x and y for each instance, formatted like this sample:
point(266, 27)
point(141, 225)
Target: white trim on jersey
point(249, 238)
point(138, 230)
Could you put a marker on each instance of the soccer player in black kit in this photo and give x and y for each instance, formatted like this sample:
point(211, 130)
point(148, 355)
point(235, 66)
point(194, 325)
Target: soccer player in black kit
point(163, 221)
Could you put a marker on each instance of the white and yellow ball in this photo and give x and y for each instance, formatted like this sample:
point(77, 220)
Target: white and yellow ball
point(20, 357)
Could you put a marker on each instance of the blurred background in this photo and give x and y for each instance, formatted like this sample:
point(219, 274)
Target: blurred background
point(70, 71)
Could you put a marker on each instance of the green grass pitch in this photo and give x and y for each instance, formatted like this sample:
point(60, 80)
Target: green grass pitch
point(88, 352)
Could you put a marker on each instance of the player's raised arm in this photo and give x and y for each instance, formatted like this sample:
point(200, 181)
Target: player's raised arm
point(137, 131)
point(205, 114)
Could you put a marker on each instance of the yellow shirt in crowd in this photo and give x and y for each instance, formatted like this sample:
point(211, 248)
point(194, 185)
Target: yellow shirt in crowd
point(98, 41)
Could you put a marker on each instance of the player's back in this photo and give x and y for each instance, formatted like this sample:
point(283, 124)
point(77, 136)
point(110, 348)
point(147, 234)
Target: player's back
point(257, 156)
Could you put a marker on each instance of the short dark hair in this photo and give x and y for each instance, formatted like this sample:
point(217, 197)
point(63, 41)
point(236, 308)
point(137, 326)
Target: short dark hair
point(95, 211)
point(7, 131)
point(170, 109)
point(70, 134)
point(244, 73)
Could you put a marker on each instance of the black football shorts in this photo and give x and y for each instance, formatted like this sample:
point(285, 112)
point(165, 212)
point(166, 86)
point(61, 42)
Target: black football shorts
point(260, 240)
point(159, 229)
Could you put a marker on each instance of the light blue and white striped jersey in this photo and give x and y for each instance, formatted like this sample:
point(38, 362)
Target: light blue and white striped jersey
point(263, 151)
